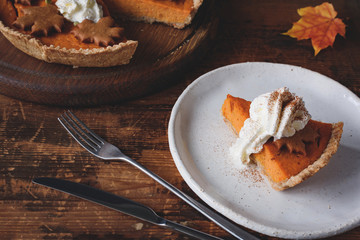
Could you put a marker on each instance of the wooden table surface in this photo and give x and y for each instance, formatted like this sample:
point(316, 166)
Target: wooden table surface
point(33, 144)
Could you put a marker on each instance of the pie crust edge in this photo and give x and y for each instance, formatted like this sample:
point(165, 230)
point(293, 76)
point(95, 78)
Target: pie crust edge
point(118, 54)
point(322, 161)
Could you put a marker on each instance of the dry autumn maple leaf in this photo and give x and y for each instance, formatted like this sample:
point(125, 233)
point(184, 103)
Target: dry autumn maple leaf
point(318, 23)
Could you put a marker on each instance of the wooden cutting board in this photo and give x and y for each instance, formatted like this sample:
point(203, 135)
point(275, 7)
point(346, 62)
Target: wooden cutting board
point(162, 52)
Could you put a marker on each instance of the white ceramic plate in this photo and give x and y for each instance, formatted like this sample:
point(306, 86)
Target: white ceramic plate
point(326, 204)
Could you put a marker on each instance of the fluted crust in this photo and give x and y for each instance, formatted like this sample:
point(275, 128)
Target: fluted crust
point(322, 161)
point(118, 54)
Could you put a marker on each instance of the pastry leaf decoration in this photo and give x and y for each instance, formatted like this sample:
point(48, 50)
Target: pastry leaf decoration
point(102, 33)
point(41, 20)
point(24, 2)
point(318, 24)
point(297, 142)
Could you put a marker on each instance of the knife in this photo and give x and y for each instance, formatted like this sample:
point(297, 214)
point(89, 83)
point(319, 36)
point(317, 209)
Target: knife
point(118, 203)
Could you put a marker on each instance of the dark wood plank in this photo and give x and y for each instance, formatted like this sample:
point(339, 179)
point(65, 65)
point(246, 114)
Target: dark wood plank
point(33, 144)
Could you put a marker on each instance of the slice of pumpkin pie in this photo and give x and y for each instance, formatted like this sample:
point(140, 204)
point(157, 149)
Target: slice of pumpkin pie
point(176, 13)
point(276, 133)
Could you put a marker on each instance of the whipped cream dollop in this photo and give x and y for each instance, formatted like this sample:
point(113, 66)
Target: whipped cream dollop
point(78, 10)
point(276, 114)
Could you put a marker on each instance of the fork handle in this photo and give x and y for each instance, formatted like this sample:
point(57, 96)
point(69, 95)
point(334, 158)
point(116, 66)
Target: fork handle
point(221, 221)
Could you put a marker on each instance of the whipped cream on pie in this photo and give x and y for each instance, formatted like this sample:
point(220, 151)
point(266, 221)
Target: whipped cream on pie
point(78, 10)
point(276, 114)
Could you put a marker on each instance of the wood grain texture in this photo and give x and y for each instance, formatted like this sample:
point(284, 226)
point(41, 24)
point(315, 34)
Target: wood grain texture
point(33, 144)
point(162, 52)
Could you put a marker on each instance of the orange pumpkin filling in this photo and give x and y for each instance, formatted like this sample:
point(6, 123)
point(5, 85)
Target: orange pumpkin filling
point(65, 39)
point(279, 161)
point(171, 12)
point(88, 44)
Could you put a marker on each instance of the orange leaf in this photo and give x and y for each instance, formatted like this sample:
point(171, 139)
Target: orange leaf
point(319, 24)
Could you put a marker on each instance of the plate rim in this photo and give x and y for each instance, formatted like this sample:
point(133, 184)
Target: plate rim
point(256, 226)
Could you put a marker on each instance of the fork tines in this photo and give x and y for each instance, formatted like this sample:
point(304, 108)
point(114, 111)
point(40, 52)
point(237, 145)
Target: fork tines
point(80, 132)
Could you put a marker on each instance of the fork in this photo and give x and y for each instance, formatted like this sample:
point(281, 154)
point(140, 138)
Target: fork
point(104, 150)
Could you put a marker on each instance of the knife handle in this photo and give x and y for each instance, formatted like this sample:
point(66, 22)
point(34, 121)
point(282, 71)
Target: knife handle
point(189, 231)
point(220, 220)
point(118, 203)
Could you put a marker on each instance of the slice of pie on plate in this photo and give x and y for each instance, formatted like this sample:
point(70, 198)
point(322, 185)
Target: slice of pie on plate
point(287, 161)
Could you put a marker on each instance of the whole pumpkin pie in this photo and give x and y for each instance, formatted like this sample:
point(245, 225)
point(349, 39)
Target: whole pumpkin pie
point(276, 133)
point(72, 43)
